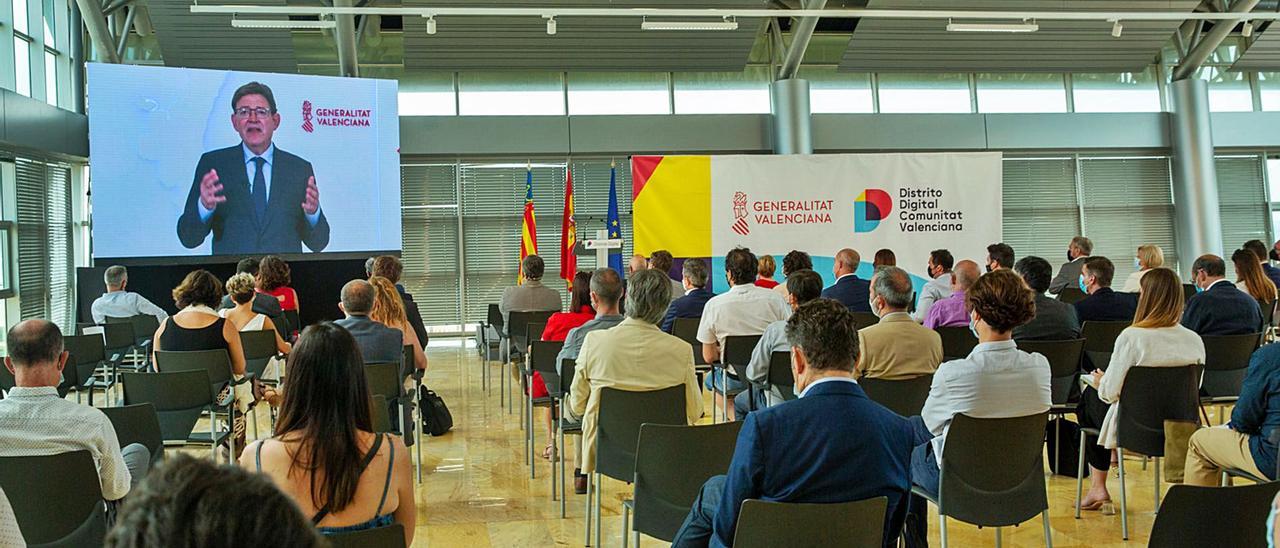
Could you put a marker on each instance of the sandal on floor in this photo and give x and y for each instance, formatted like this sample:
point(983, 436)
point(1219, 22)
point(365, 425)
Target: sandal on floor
point(1097, 505)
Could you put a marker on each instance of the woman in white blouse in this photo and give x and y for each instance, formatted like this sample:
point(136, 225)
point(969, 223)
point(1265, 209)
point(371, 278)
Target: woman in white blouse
point(1148, 257)
point(1156, 339)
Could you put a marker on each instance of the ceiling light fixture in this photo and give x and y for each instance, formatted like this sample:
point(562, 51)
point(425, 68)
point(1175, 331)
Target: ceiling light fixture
point(726, 23)
point(1024, 26)
point(1116, 29)
point(282, 24)
point(1247, 31)
point(551, 24)
point(431, 24)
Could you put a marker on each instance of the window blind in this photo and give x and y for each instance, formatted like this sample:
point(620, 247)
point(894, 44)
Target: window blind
point(44, 242)
point(1041, 210)
point(1242, 202)
point(1128, 202)
point(429, 228)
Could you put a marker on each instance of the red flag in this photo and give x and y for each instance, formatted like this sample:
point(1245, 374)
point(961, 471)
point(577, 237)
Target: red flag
point(568, 234)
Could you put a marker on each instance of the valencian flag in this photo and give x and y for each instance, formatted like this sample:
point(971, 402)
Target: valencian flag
point(615, 230)
point(568, 233)
point(528, 229)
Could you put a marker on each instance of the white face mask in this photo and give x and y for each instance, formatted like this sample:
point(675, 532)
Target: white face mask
point(872, 303)
point(1137, 264)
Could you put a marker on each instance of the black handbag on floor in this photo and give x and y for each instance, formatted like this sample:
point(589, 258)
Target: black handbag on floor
point(1064, 447)
point(436, 418)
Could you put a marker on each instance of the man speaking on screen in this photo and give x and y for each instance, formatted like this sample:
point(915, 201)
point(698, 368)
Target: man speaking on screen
point(254, 197)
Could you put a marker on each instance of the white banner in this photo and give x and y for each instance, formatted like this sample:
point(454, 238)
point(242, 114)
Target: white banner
point(910, 203)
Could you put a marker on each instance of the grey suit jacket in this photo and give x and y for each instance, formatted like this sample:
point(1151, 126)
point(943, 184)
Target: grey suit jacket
point(1068, 276)
point(530, 297)
point(378, 343)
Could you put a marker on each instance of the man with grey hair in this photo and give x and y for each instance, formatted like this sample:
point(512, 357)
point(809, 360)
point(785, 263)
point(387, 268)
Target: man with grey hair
point(378, 343)
point(1069, 275)
point(118, 303)
point(695, 296)
point(606, 290)
point(849, 288)
point(896, 348)
point(35, 421)
point(531, 296)
point(635, 356)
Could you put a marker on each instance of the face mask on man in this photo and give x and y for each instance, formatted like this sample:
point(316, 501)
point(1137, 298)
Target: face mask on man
point(1083, 287)
point(988, 267)
point(872, 303)
point(1069, 257)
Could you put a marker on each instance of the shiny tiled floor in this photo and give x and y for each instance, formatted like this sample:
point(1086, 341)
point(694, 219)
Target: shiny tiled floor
point(476, 490)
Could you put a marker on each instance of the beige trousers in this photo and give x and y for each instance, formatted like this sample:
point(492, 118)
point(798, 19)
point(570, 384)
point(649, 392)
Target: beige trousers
point(1215, 449)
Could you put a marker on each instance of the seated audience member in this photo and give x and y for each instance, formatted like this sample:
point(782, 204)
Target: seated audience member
point(119, 303)
point(1154, 340)
point(1077, 252)
point(197, 326)
point(999, 256)
point(634, 356)
point(896, 348)
point(1251, 279)
point(325, 454)
point(1054, 320)
point(794, 261)
point(243, 316)
point(831, 445)
point(638, 262)
point(746, 309)
point(1218, 308)
point(1102, 304)
point(377, 342)
point(392, 269)
point(558, 327)
point(663, 262)
point(274, 280)
point(10, 535)
point(1245, 442)
point(262, 303)
point(388, 310)
point(939, 285)
point(803, 286)
point(950, 311)
point(764, 272)
point(1148, 257)
point(1259, 250)
point(531, 296)
point(849, 288)
point(193, 503)
point(884, 257)
point(606, 290)
point(35, 421)
point(996, 380)
point(695, 296)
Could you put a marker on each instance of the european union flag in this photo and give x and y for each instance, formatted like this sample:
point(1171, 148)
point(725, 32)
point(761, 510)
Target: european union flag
point(615, 229)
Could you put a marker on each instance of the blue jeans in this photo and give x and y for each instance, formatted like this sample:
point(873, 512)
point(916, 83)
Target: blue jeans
point(716, 379)
point(925, 475)
point(696, 530)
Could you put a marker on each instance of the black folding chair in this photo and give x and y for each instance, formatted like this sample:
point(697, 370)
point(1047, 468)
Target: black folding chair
point(532, 332)
point(618, 424)
point(764, 524)
point(1188, 291)
point(992, 473)
point(1194, 516)
point(1151, 396)
point(57, 499)
point(686, 329)
point(568, 369)
point(865, 319)
point(391, 536)
point(517, 343)
point(384, 380)
point(1226, 360)
point(957, 342)
point(180, 399)
point(1100, 342)
point(542, 359)
point(144, 329)
point(87, 356)
point(1071, 295)
point(381, 417)
point(119, 341)
point(665, 488)
point(1064, 381)
point(734, 358)
point(138, 423)
point(780, 377)
point(494, 322)
point(905, 397)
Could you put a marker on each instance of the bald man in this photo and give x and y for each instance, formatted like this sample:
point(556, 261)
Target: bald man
point(853, 292)
point(378, 343)
point(638, 263)
point(950, 312)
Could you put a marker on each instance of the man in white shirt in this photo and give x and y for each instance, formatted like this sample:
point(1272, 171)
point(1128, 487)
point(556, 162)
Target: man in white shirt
point(996, 380)
point(34, 421)
point(746, 309)
point(939, 287)
point(118, 303)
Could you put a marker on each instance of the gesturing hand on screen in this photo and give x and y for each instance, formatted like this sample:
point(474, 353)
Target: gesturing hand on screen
point(210, 189)
point(312, 202)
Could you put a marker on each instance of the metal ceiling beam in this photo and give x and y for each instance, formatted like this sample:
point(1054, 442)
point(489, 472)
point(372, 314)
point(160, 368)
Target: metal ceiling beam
point(96, 23)
point(123, 40)
point(345, 36)
point(844, 13)
point(800, 41)
point(1210, 41)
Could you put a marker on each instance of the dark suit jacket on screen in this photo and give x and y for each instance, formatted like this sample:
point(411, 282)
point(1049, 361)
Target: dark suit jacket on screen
point(236, 229)
point(851, 291)
point(1222, 310)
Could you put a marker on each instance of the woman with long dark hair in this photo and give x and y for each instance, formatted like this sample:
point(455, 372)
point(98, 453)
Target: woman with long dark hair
point(325, 454)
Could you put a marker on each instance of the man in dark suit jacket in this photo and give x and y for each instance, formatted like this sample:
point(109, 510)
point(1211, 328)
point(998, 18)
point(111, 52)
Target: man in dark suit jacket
point(1054, 319)
point(254, 197)
point(1219, 308)
point(849, 289)
point(831, 445)
point(1103, 304)
point(378, 343)
point(262, 303)
point(390, 267)
point(695, 297)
